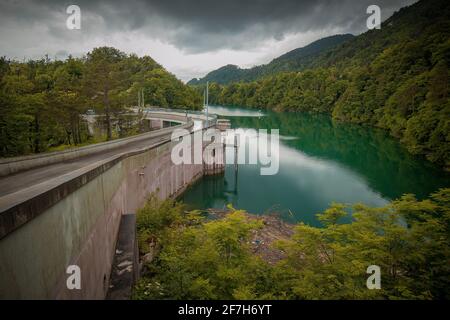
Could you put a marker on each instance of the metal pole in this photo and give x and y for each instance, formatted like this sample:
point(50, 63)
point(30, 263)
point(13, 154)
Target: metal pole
point(235, 153)
point(139, 101)
point(207, 98)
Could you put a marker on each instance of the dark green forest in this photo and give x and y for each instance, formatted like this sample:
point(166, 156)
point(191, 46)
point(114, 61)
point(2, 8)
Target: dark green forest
point(189, 256)
point(395, 78)
point(371, 153)
point(297, 59)
point(41, 101)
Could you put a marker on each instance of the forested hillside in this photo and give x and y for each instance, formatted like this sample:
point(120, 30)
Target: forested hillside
point(396, 78)
point(41, 100)
point(295, 60)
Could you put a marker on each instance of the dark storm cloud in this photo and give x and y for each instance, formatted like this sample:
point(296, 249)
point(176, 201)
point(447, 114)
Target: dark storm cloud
point(203, 25)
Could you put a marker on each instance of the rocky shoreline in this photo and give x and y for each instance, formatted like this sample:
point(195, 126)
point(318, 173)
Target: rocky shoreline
point(274, 229)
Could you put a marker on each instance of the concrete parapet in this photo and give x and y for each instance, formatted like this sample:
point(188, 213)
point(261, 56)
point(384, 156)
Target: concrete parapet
point(10, 166)
point(74, 220)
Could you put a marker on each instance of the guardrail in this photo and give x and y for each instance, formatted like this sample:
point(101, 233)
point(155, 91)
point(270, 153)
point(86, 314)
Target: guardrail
point(10, 166)
point(201, 115)
point(13, 165)
point(175, 110)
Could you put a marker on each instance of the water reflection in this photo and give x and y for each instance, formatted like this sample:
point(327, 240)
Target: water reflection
point(235, 112)
point(320, 162)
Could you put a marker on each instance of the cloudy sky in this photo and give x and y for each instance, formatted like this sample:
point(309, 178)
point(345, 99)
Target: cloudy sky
point(189, 38)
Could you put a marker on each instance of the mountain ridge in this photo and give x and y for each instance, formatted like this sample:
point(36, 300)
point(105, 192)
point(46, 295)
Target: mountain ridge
point(396, 78)
point(296, 59)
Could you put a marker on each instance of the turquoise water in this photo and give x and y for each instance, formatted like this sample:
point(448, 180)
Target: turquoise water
point(320, 162)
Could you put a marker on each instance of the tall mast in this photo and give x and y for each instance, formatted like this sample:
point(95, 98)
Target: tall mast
point(206, 99)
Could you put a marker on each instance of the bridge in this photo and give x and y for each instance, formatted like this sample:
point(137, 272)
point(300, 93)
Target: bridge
point(65, 208)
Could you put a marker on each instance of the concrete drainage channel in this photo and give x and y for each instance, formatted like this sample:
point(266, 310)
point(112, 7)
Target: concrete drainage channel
point(125, 267)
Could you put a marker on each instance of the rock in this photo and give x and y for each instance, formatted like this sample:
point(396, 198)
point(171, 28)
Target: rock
point(148, 257)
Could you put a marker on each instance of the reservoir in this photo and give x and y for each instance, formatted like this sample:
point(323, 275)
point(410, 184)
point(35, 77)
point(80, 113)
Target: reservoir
point(320, 161)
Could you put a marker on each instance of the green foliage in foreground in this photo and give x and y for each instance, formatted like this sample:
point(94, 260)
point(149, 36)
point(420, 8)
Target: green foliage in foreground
point(41, 101)
point(198, 258)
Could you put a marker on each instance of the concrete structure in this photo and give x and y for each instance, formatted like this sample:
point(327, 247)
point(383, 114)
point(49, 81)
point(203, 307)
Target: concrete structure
point(57, 214)
point(223, 124)
point(125, 267)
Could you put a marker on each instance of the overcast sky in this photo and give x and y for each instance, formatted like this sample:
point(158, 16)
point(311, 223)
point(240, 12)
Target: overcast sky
point(189, 38)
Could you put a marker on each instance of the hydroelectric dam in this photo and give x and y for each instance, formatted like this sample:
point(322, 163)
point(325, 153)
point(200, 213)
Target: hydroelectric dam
point(66, 208)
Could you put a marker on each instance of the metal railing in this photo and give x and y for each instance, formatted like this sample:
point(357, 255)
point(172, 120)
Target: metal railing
point(211, 118)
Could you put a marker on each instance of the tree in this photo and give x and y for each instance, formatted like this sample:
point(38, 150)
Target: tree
point(393, 78)
point(200, 258)
point(68, 98)
point(105, 80)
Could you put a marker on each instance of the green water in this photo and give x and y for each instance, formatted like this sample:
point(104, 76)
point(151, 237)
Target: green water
point(320, 162)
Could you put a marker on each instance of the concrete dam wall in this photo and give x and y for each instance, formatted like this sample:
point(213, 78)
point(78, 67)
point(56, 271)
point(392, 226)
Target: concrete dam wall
point(80, 222)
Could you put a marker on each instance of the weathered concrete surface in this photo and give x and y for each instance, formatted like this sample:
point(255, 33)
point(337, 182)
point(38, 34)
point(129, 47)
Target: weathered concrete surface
point(81, 228)
point(125, 268)
point(67, 211)
point(25, 195)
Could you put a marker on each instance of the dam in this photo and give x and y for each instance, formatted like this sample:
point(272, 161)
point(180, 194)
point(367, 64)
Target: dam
point(65, 208)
